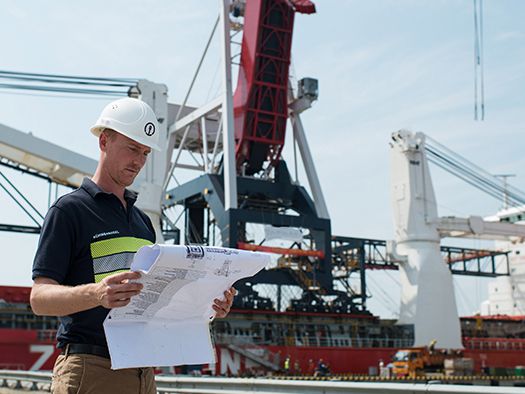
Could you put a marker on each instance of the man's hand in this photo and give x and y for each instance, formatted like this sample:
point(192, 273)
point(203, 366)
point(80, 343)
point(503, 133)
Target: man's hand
point(116, 290)
point(222, 307)
point(49, 298)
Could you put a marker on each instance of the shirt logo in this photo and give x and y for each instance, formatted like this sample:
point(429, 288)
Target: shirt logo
point(149, 129)
point(96, 236)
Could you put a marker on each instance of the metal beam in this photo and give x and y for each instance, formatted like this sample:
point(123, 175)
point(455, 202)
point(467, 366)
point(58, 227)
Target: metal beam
point(308, 161)
point(476, 227)
point(461, 261)
point(228, 141)
point(212, 106)
point(14, 228)
point(60, 164)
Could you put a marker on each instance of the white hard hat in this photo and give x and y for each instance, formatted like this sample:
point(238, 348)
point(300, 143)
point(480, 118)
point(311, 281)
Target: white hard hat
point(131, 117)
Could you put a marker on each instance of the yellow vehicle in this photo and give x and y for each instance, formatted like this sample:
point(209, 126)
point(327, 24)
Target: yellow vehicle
point(416, 361)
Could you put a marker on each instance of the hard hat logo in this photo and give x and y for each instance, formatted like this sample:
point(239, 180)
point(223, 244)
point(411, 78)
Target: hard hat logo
point(149, 129)
point(131, 117)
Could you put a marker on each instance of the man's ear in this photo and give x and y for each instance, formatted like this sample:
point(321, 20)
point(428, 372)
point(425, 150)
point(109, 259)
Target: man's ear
point(103, 141)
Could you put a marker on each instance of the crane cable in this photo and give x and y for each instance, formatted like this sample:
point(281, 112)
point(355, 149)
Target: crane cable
point(472, 174)
point(478, 61)
point(14, 80)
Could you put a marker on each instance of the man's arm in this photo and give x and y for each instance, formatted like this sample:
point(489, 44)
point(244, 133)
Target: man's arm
point(49, 298)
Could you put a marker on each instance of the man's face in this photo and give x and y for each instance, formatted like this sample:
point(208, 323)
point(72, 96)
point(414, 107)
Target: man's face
point(124, 158)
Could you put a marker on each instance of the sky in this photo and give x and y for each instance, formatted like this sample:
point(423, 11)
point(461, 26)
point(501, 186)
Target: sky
point(382, 65)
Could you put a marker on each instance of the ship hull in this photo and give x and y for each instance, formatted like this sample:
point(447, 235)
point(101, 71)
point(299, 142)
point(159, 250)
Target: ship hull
point(27, 350)
point(36, 350)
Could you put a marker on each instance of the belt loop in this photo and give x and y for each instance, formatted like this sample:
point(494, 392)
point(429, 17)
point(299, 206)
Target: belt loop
point(66, 351)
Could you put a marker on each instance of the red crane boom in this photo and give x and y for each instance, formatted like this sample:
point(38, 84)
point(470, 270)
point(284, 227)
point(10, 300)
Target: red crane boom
point(260, 99)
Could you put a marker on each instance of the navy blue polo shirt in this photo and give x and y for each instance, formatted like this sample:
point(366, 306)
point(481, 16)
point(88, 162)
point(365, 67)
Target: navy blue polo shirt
point(86, 236)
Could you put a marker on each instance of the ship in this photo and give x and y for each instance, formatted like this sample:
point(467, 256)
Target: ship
point(251, 342)
point(328, 322)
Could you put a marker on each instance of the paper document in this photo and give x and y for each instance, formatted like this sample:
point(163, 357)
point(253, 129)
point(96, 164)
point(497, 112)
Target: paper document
point(167, 324)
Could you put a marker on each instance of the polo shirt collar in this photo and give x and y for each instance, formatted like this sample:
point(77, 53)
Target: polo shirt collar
point(94, 190)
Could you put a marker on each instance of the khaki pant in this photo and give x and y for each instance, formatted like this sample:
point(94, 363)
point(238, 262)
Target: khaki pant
point(88, 374)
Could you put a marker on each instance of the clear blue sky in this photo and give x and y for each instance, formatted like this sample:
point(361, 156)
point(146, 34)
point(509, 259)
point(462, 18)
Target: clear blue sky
point(382, 65)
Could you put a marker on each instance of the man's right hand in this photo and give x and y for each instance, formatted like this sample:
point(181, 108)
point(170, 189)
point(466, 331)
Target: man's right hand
point(49, 298)
point(116, 290)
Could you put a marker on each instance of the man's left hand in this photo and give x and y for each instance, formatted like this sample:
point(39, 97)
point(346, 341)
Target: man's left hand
point(222, 307)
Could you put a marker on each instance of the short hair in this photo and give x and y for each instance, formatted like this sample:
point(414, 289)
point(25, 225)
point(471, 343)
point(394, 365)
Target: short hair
point(110, 133)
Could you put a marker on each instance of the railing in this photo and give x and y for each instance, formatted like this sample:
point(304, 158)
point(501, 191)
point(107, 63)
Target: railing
point(314, 340)
point(494, 344)
point(20, 379)
point(267, 386)
point(205, 385)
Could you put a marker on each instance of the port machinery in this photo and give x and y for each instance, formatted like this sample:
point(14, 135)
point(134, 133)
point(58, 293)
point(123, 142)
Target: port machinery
point(235, 142)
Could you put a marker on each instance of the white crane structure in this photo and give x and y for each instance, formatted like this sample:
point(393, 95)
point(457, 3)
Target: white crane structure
point(427, 292)
point(69, 168)
point(205, 134)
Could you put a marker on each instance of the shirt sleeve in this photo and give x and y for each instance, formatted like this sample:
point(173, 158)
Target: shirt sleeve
point(55, 247)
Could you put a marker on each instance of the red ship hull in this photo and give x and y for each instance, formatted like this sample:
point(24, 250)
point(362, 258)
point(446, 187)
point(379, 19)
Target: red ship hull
point(35, 350)
point(26, 350)
point(247, 337)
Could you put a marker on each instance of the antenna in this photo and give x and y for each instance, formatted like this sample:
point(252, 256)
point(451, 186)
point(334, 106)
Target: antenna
point(504, 177)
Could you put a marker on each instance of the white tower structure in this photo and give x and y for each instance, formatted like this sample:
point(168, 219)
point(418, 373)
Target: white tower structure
point(427, 292)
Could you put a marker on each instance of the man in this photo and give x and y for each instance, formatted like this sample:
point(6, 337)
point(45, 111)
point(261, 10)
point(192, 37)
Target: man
point(89, 237)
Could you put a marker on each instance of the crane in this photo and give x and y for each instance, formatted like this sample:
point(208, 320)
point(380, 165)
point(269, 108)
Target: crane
point(426, 282)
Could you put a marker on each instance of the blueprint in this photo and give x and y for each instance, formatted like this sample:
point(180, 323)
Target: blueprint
point(167, 324)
